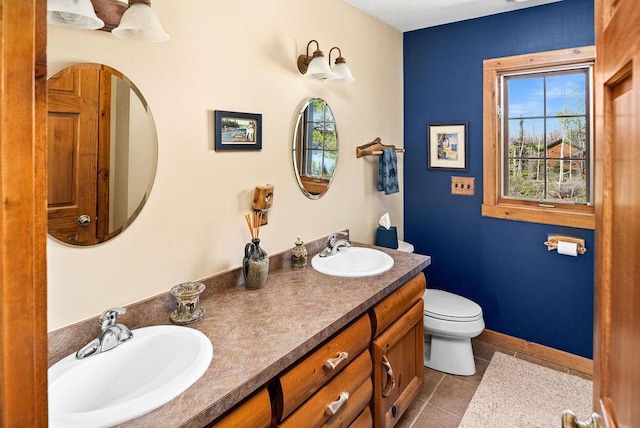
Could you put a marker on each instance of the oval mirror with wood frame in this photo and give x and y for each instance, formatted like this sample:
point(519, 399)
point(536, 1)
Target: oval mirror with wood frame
point(102, 153)
point(315, 148)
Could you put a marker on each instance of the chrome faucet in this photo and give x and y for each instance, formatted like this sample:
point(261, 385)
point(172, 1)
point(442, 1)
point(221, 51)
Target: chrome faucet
point(334, 244)
point(112, 334)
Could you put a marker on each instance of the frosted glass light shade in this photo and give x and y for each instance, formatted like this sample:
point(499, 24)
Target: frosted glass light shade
point(139, 22)
point(77, 14)
point(342, 73)
point(319, 68)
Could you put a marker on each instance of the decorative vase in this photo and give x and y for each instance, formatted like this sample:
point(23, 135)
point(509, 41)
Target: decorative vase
point(299, 255)
point(188, 308)
point(255, 265)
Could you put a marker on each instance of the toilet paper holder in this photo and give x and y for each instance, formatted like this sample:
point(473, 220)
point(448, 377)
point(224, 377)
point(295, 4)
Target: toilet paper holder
point(554, 238)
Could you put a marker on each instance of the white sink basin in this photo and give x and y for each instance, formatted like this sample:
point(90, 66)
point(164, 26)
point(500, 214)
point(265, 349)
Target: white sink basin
point(136, 377)
point(353, 262)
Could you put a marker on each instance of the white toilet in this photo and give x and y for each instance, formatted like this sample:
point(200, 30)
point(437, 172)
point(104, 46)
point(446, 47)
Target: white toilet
point(450, 321)
point(405, 246)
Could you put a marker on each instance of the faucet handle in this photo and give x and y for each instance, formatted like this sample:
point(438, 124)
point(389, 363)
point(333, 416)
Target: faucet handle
point(109, 317)
point(331, 241)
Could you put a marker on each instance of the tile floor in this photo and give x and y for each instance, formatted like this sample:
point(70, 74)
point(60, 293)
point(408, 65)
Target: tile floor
point(444, 398)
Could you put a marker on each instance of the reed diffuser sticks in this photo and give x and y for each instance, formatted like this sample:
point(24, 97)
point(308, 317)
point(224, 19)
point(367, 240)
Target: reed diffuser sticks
point(254, 220)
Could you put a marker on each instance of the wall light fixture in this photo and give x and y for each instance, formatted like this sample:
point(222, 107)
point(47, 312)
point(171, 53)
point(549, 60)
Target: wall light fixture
point(341, 71)
point(315, 66)
point(139, 22)
point(134, 21)
point(77, 14)
point(318, 68)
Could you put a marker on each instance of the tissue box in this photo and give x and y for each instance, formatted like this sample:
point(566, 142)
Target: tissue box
point(387, 237)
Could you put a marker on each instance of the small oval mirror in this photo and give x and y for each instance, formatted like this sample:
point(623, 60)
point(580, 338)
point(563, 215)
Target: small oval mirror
point(102, 153)
point(315, 148)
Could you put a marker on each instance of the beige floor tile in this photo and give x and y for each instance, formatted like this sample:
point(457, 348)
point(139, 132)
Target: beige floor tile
point(431, 380)
point(481, 367)
point(410, 415)
point(448, 396)
point(453, 395)
point(485, 350)
point(432, 417)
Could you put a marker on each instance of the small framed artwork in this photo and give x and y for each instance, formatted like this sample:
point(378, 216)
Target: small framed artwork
point(238, 131)
point(447, 146)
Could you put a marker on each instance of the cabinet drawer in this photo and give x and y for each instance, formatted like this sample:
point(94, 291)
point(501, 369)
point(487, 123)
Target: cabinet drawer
point(364, 420)
point(255, 413)
point(391, 308)
point(312, 373)
point(355, 380)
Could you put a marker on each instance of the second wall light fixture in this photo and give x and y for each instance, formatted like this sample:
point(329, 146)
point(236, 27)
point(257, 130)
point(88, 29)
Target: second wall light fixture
point(134, 21)
point(318, 68)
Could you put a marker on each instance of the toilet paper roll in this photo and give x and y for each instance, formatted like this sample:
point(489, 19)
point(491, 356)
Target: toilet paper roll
point(568, 248)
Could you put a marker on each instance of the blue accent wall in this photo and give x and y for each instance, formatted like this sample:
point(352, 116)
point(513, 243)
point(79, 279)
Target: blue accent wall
point(524, 290)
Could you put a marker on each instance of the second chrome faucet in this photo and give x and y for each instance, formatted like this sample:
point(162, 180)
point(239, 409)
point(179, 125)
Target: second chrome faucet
point(112, 334)
point(334, 244)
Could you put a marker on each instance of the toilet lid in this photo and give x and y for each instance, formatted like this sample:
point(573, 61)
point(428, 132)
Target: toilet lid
point(450, 307)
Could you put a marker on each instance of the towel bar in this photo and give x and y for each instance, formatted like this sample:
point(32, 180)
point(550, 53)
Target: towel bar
point(375, 148)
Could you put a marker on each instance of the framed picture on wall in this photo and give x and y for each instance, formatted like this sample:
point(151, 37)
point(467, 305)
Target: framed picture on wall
point(238, 131)
point(447, 146)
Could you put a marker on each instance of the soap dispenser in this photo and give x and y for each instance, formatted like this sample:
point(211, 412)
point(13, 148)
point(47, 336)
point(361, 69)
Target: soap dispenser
point(299, 255)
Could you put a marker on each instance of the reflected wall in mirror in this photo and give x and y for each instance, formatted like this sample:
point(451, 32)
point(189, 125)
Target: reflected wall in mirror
point(102, 153)
point(315, 148)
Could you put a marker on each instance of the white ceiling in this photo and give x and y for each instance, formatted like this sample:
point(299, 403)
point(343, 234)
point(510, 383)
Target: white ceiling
point(407, 15)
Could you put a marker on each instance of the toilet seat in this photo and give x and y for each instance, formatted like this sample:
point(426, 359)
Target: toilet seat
point(447, 306)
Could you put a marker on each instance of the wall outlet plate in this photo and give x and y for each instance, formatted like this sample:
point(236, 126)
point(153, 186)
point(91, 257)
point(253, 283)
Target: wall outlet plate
point(463, 186)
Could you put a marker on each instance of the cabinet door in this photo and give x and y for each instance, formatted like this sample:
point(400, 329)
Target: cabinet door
point(398, 366)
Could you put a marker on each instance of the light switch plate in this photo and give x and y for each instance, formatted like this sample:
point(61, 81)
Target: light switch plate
point(463, 186)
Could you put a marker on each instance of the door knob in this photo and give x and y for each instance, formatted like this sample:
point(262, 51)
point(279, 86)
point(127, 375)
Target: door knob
point(569, 420)
point(84, 220)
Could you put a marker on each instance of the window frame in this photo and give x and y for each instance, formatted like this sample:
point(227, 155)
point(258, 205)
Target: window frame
point(306, 149)
point(494, 204)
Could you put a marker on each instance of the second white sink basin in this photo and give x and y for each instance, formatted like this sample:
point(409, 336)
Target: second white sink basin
point(136, 377)
point(353, 262)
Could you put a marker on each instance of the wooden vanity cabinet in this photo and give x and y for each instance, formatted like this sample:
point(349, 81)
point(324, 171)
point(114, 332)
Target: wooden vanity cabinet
point(397, 352)
point(340, 401)
point(255, 413)
point(364, 420)
point(380, 378)
point(340, 365)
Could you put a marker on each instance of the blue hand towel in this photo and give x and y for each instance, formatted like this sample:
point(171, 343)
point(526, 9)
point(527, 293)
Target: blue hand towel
point(387, 172)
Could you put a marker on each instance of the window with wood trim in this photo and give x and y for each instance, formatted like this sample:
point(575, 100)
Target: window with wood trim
point(319, 149)
point(538, 138)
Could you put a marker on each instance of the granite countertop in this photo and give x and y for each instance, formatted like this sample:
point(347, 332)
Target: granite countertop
point(256, 334)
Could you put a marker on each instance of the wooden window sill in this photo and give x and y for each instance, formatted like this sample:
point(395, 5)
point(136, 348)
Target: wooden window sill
point(554, 216)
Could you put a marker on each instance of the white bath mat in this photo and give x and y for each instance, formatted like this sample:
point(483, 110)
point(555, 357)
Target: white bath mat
point(517, 393)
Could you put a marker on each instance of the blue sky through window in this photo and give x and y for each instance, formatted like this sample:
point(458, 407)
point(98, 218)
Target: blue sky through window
point(565, 93)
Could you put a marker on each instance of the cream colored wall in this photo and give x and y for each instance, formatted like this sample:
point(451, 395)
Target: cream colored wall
point(241, 56)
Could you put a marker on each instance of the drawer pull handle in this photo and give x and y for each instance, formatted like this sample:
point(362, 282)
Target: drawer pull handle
point(334, 406)
point(390, 382)
point(332, 363)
